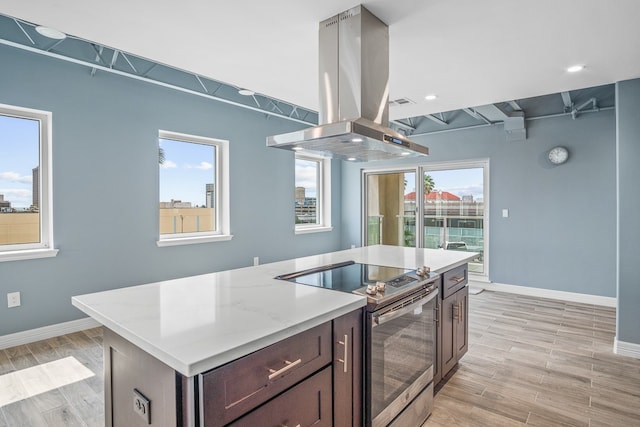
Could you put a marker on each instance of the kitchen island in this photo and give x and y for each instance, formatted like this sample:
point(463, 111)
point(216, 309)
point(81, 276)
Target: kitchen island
point(190, 326)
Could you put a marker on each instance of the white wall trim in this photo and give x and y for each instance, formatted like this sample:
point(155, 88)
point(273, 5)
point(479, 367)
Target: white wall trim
point(546, 293)
point(33, 335)
point(626, 348)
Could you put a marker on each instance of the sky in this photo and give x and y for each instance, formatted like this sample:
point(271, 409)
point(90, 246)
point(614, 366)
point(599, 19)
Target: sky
point(461, 182)
point(187, 168)
point(306, 176)
point(19, 154)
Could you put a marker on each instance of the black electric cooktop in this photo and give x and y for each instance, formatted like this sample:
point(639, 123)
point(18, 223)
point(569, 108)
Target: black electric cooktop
point(353, 277)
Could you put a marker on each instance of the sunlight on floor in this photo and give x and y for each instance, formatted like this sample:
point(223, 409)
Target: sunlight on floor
point(30, 382)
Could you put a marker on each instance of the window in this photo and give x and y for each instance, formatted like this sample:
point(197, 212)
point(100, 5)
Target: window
point(438, 205)
point(312, 196)
point(194, 189)
point(25, 184)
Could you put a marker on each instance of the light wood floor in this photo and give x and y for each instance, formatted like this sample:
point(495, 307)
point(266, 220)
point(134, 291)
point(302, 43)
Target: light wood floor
point(48, 373)
point(539, 362)
point(531, 361)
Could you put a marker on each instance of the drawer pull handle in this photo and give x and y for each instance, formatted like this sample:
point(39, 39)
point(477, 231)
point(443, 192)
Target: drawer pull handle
point(456, 279)
point(290, 365)
point(346, 352)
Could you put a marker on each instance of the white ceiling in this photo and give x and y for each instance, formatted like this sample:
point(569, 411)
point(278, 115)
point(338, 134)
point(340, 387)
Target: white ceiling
point(469, 52)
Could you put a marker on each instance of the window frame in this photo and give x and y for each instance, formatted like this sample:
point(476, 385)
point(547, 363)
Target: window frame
point(45, 248)
point(223, 224)
point(323, 195)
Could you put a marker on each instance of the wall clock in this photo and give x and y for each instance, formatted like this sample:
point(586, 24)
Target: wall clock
point(558, 155)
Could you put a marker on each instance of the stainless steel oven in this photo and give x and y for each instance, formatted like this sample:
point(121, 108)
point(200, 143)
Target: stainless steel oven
point(400, 358)
point(400, 336)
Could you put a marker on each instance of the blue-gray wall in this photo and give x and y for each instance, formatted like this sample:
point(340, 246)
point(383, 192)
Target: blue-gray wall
point(105, 187)
point(560, 233)
point(628, 233)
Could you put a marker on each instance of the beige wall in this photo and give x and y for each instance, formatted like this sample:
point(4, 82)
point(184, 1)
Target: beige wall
point(186, 220)
point(19, 228)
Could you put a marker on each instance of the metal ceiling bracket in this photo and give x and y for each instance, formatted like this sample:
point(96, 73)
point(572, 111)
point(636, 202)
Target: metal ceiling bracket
point(515, 106)
point(475, 115)
point(201, 84)
point(594, 107)
point(566, 100)
point(435, 119)
point(23, 30)
point(514, 121)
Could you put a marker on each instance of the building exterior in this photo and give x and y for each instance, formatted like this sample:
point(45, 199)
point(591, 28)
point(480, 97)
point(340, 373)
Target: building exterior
point(210, 195)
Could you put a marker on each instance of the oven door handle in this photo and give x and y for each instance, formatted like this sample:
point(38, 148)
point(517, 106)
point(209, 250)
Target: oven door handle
point(384, 318)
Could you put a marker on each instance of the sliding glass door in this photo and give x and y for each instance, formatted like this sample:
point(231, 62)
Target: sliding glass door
point(390, 215)
point(438, 206)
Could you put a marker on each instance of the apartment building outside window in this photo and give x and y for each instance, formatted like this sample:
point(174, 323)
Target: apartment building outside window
point(25, 184)
point(312, 194)
point(194, 197)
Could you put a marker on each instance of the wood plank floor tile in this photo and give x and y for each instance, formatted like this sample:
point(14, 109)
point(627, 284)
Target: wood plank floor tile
point(559, 369)
point(62, 416)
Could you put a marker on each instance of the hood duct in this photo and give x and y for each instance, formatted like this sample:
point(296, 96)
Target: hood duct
point(354, 95)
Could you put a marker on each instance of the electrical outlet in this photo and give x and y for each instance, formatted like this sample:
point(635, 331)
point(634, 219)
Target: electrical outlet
point(256, 260)
point(13, 299)
point(142, 406)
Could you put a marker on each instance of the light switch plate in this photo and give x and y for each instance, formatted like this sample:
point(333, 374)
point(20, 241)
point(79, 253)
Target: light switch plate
point(13, 299)
point(142, 406)
point(505, 213)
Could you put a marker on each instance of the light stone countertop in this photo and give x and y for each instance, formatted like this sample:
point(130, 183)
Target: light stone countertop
point(194, 324)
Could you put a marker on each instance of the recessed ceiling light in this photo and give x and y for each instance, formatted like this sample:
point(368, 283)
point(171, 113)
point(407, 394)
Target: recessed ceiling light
point(297, 148)
point(431, 97)
point(51, 33)
point(356, 139)
point(352, 159)
point(246, 92)
point(405, 153)
point(575, 68)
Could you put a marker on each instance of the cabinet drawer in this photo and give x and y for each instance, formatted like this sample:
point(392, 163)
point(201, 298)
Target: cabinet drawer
point(236, 388)
point(307, 404)
point(454, 280)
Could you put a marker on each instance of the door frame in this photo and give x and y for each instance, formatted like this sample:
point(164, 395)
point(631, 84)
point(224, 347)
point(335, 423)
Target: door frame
point(419, 171)
point(364, 173)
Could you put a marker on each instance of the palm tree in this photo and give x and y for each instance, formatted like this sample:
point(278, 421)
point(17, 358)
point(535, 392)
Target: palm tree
point(428, 184)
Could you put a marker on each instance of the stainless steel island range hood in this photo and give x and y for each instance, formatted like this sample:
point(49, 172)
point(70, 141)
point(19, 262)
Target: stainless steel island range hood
point(354, 95)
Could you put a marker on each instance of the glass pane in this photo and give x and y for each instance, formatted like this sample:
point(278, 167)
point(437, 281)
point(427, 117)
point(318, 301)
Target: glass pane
point(187, 187)
point(19, 180)
point(391, 209)
point(454, 212)
point(306, 191)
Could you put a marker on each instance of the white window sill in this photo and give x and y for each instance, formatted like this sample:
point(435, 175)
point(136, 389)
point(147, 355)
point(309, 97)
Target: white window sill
point(177, 241)
point(27, 254)
point(309, 230)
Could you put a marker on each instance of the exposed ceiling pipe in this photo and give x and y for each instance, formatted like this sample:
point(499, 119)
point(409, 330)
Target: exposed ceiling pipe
point(578, 109)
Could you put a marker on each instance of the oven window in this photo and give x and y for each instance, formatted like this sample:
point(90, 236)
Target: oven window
point(402, 349)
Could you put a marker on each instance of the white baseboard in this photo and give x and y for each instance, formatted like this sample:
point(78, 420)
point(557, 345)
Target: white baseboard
point(626, 348)
point(546, 293)
point(33, 335)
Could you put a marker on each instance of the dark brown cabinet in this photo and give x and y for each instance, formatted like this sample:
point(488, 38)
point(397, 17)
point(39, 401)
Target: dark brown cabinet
point(347, 370)
point(455, 325)
point(306, 404)
point(313, 378)
point(246, 383)
point(452, 321)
